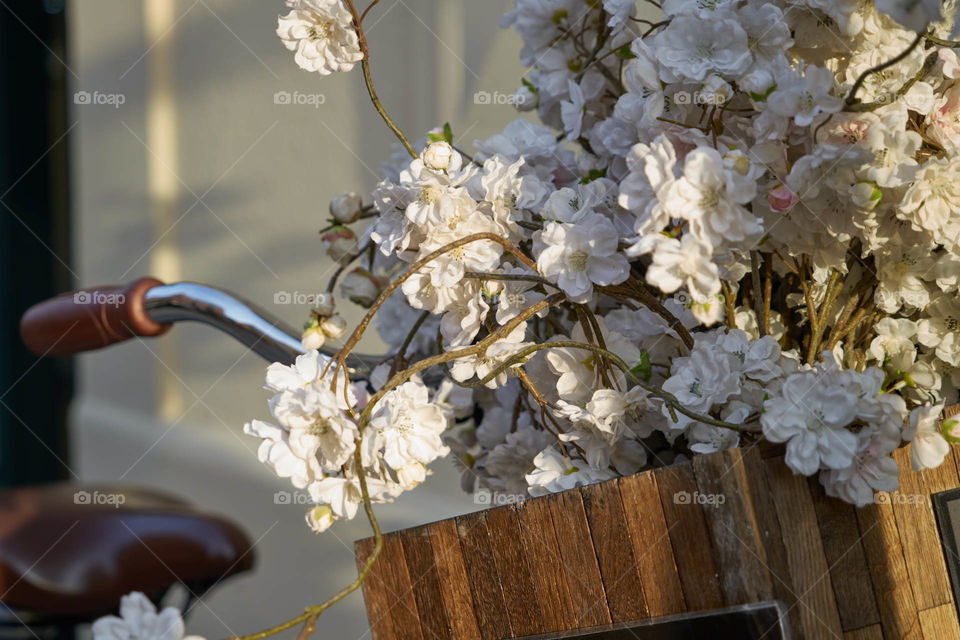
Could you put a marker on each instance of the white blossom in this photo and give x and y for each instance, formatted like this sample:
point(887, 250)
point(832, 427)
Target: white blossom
point(691, 47)
point(811, 415)
point(928, 447)
point(804, 96)
point(409, 426)
point(139, 620)
point(322, 34)
point(553, 472)
point(578, 256)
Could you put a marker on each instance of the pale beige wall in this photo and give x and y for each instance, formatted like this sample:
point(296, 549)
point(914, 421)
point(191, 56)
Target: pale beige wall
point(270, 171)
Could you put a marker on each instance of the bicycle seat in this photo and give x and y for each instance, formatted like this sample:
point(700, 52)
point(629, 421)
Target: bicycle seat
point(69, 551)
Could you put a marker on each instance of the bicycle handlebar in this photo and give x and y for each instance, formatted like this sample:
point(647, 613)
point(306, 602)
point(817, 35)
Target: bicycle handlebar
point(90, 319)
point(94, 318)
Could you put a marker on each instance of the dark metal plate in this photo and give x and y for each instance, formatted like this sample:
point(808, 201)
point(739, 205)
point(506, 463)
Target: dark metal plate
point(763, 620)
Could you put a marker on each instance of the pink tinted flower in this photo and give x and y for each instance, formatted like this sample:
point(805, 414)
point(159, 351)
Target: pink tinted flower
point(951, 67)
point(781, 199)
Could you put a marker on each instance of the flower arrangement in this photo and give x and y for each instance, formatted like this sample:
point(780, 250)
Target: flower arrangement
point(735, 222)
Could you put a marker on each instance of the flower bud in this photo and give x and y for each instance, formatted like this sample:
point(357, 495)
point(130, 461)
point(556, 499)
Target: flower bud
point(865, 195)
point(759, 83)
point(346, 207)
point(951, 430)
point(320, 518)
point(737, 161)
point(313, 337)
point(715, 91)
point(781, 199)
point(339, 242)
point(323, 305)
point(438, 156)
point(525, 99)
point(334, 326)
point(361, 287)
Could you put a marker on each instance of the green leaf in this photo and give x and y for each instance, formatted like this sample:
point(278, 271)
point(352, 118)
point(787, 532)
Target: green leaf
point(445, 136)
point(529, 85)
point(593, 175)
point(950, 431)
point(760, 97)
point(644, 370)
point(624, 53)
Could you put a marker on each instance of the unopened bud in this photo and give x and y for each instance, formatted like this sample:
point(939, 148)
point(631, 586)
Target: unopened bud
point(334, 326)
point(339, 242)
point(866, 195)
point(361, 287)
point(951, 430)
point(313, 337)
point(438, 156)
point(346, 207)
point(781, 199)
point(324, 304)
point(320, 518)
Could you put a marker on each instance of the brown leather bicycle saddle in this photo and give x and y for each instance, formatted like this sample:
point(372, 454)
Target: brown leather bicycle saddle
point(74, 551)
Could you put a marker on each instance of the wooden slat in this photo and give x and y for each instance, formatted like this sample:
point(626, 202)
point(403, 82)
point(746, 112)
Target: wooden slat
point(689, 538)
point(888, 571)
point(809, 572)
point(771, 536)
point(873, 632)
point(425, 582)
point(454, 585)
point(608, 528)
point(940, 622)
point(918, 532)
point(483, 577)
point(737, 546)
point(401, 601)
point(843, 548)
point(375, 594)
point(651, 544)
point(543, 559)
point(579, 561)
point(519, 598)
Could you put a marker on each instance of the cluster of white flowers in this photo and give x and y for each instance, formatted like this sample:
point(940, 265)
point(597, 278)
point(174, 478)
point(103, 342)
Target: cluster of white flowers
point(737, 220)
point(315, 438)
point(139, 620)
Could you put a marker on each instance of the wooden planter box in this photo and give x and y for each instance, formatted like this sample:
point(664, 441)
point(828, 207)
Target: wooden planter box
point(655, 544)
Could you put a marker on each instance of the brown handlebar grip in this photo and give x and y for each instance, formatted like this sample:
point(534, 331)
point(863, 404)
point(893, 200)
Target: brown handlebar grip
point(89, 319)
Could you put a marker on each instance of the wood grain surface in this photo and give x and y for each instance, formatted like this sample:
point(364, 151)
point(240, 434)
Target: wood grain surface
point(729, 528)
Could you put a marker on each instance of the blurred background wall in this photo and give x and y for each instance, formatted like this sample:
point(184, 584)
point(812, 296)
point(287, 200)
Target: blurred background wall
point(184, 167)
